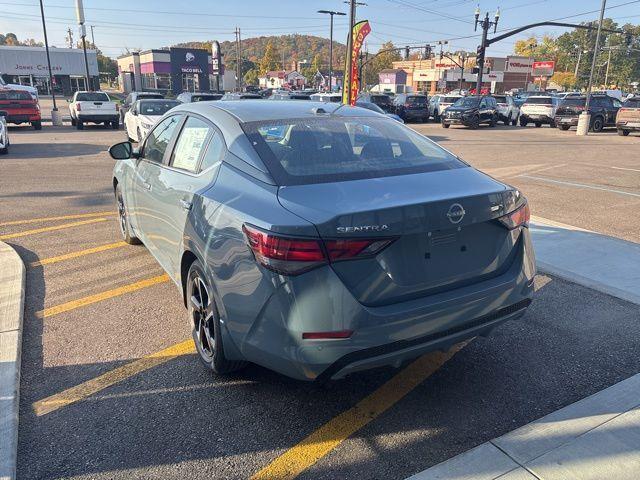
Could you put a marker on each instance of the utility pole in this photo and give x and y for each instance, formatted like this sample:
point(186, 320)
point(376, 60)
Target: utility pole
point(463, 60)
point(70, 37)
point(352, 22)
point(584, 120)
point(575, 73)
point(93, 40)
point(486, 25)
point(331, 13)
point(606, 75)
point(238, 61)
point(83, 35)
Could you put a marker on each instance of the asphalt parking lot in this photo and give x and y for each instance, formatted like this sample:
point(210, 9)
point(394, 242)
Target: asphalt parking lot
point(111, 387)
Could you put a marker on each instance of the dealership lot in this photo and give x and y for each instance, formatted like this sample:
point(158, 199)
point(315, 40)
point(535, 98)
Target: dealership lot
point(92, 405)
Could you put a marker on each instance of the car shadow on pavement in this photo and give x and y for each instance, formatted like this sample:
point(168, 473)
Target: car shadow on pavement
point(177, 419)
point(34, 151)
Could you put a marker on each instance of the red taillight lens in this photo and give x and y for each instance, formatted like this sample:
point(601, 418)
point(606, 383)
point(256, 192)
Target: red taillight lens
point(517, 218)
point(327, 335)
point(291, 256)
point(78, 107)
point(344, 249)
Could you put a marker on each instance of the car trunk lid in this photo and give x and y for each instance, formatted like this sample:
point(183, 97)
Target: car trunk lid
point(443, 225)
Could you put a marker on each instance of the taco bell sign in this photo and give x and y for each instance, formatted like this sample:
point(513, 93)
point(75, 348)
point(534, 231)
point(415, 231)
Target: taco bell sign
point(189, 62)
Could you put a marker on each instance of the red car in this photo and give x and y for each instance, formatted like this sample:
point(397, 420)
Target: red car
point(21, 107)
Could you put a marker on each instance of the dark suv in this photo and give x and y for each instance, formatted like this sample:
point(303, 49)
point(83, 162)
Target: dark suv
point(472, 111)
point(381, 99)
point(411, 106)
point(602, 108)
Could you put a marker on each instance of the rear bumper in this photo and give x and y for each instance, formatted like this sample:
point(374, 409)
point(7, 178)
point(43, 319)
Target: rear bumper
point(384, 335)
point(414, 114)
point(567, 120)
point(631, 126)
point(98, 118)
point(23, 118)
point(536, 118)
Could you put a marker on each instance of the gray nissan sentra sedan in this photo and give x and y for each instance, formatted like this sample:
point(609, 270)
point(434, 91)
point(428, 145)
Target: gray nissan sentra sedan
point(317, 239)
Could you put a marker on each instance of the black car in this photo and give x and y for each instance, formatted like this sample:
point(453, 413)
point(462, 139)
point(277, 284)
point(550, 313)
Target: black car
point(472, 111)
point(411, 106)
point(381, 99)
point(602, 108)
point(133, 97)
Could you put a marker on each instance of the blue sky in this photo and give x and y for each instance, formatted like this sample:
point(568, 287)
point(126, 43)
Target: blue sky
point(144, 24)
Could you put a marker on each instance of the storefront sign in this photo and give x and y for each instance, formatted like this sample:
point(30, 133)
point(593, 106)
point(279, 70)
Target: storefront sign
point(428, 75)
point(519, 64)
point(543, 69)
point(189, 61)
point(33, 61)
point(216, 59)
point(359, 33)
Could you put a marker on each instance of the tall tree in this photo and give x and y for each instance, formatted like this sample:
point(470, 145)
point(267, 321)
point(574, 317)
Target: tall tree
point(269, 60)
point(384, 59)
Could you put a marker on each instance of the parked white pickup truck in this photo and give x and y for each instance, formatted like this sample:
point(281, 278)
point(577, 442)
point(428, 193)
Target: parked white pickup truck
point(93, 107)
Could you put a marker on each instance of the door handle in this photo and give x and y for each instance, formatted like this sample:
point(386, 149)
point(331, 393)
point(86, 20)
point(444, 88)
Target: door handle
point(147, 186)
point(185, 205)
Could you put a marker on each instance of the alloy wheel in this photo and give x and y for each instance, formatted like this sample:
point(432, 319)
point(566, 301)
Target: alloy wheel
point(202, 316)
point(122, 215)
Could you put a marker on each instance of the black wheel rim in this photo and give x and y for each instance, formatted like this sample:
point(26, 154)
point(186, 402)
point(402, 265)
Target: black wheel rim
point(122, 214)
point(202, 316)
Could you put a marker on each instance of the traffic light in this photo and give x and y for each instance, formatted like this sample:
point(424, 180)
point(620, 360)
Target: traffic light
point(427, 52)
point(406, 52)
point(475, 70)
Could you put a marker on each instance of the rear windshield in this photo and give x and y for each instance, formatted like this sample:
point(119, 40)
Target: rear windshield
point(539, 101)
point(417, 100)
point(573, 102)
point(15, 96)
point(632, 103)
point(319, 150)
point(501, 99)
point(205, 98)
point(450, 99)
point(381, 99)
point(92, 97)
point(157, 108)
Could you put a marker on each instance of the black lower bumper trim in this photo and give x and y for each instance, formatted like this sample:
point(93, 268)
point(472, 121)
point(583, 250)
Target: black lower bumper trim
point(402, 344)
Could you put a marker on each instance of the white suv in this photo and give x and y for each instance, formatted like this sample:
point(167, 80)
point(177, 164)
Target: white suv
point(538, 109)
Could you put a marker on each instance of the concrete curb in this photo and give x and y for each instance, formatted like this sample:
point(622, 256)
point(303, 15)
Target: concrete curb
point(12, 292)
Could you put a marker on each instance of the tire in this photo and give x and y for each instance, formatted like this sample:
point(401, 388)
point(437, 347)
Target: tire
point(514, 122)
point(445, 125)
point(523, 122)
point(73, 122)
point(205, 322)
point(493, 122)
point(597, 125)
point(4, 151)
point(139, 134)
point(79, 125)
point(623, 133)
point(37, 125)
point(475, 123)
point(115, 124)
point(508, 121)
point(552, 124)
point(123, 220)
point(538, 124)
point(563, 127)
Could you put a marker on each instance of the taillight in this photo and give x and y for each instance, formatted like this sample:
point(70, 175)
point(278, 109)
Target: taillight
point(623, 109)
point(78, 107)
point(518, 218)
point(332, 335)
point(292, 256)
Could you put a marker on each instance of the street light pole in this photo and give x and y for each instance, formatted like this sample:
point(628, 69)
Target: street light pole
point(331, 13)
point(584, 119)
point(55, 117)
point(486, 25)
point(83, 34)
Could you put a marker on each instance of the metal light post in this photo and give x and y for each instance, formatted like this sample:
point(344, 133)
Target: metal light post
point(331, 13)
point(83, 34)
point(584, 120)
point(55, 116)
point(352, 21)
point(486, 25)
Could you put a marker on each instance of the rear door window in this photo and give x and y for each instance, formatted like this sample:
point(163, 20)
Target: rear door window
point(317, 150)
point(92, 97)
point(190, 145)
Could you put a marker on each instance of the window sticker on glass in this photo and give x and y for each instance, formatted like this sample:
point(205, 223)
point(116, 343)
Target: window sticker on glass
point(190, 144)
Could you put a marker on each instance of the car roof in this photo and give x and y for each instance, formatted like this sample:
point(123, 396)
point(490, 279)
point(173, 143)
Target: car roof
point(261, 110)
point(157, 100)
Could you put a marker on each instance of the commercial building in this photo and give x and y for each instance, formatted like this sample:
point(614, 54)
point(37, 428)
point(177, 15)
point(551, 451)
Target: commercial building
point(282, 79)
point(174, 70)
point(28, 66)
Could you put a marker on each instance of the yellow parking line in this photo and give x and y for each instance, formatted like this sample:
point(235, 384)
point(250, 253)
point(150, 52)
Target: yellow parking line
point(86, 389)
point(52, 219)
point(80, 253)
point(303, 455)
point(24, 233)
point(98, 297)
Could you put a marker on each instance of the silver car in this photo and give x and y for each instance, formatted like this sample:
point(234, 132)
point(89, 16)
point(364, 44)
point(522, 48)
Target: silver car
point(318, 239)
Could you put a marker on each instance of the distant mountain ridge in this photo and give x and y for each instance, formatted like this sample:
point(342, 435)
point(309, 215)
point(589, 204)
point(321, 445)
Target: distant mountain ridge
point(294, 47)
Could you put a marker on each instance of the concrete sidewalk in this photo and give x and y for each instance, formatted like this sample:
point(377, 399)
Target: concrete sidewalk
point(593, 439)
point(12, 290)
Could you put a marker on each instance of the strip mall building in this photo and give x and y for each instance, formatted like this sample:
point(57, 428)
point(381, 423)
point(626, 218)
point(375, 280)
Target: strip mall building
point(443, 75)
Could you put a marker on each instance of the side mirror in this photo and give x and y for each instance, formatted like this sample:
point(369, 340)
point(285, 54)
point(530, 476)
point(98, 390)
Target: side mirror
point(134, 112)
point(68, 100)
point(121, 151)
